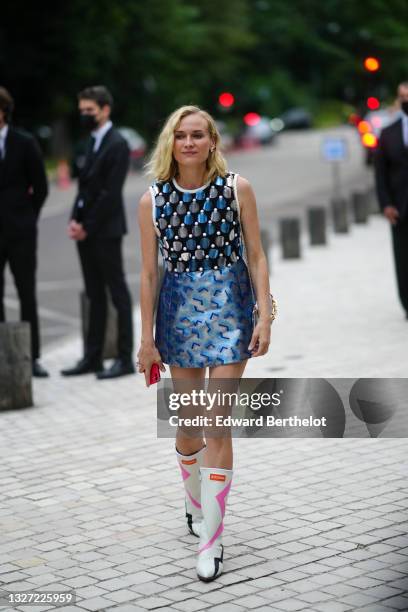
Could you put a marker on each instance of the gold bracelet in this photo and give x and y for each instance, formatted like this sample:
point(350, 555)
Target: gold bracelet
point(272, 315)
point(274, 311)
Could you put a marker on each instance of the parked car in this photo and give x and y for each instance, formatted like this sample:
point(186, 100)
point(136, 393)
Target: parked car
point(137, 146)
point(296, 119)
point(261, 133)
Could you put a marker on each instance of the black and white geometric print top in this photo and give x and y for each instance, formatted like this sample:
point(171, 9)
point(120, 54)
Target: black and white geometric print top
point(198, 229)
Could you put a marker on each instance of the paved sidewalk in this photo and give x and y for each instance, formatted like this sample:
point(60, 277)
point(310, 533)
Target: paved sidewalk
point(92, 501)
point(339, 312)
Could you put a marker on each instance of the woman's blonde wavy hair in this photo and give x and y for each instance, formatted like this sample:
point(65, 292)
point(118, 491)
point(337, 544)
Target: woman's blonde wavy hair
point(162, 165)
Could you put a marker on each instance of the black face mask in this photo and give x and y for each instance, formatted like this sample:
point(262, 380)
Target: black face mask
point(88, 122)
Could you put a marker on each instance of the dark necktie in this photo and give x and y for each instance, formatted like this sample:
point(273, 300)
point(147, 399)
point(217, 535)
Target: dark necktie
point(90, 153)
point(88, 158)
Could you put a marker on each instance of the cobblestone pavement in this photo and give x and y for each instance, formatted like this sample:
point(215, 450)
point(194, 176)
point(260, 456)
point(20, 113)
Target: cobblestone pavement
point(339, 312)
point(92, 500)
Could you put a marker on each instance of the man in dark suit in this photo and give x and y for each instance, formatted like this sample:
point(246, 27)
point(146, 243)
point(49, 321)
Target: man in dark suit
point(391, 171)
point(97, 225)
point(23, 190)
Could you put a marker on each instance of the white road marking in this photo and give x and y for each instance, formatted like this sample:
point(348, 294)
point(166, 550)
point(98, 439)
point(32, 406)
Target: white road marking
point(44, 312)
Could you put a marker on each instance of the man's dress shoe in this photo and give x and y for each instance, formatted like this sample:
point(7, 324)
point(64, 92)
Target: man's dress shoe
point(84, 366)
point(38, 370)
point(118, 368)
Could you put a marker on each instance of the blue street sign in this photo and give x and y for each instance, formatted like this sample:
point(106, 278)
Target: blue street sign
point(334, 149)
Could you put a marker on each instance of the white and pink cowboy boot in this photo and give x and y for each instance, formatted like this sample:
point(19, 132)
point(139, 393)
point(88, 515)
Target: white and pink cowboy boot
point(190, 472)
point(215, 486)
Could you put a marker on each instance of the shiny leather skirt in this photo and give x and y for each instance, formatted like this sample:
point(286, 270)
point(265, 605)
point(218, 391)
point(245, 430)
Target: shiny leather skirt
point(205, 318)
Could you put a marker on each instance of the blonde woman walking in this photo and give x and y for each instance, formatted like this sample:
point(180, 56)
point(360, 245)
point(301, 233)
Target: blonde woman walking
point(198, 214)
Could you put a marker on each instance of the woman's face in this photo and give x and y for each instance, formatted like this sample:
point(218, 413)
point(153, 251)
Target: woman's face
point(192, 141)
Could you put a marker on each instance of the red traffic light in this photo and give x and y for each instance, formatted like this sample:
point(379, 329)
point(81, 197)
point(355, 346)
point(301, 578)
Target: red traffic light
point(226, 99)
point(252, 118)
point(373, 103)
point(371, 64)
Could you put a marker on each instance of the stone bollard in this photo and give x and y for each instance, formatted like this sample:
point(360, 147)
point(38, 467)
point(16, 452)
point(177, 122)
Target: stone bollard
point(359, 202)
point(110, 350)
point(266, 245)
point(317, 225)
point(290, 238)
point(15, 366)
point(373, 206)
point(340, 216)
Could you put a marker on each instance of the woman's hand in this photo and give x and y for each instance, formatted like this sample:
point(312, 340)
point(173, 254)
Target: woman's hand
point(261, 338)
point(147, 356)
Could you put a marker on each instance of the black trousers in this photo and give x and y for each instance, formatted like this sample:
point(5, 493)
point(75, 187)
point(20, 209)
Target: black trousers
point(21, 256)
point(102, 269)
point(400, 245)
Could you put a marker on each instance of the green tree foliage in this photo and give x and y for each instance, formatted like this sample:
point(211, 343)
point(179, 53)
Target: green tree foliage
point(310, 50)
point(153, 54)
point(158, 54)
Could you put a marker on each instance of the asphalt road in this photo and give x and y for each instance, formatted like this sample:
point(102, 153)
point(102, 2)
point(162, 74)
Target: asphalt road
point(287, 177)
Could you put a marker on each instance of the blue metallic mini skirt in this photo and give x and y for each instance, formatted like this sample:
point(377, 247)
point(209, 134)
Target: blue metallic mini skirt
point(205, 318)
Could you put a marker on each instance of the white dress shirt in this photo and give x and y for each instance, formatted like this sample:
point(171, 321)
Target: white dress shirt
point(100, 133)
point(404, 118)
point(3, 136)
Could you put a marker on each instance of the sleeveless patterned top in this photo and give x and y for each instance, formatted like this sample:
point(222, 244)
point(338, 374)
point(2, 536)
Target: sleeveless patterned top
point(197, 229)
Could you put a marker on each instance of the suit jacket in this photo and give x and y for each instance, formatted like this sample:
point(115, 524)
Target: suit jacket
point(99, 202)
point(391, 169)
point(23, 186)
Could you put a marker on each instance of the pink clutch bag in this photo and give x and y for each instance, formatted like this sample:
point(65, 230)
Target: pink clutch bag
point(154, 374)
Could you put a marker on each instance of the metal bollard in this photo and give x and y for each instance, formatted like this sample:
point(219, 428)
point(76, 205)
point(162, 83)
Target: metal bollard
point(359, 201)
point(317, 225)
point(266, 245)
point(290, 238)
point(15, 366)
point(340, 215)
point(110, 349)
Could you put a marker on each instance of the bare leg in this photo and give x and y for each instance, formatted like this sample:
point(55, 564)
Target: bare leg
point(219, 448)
point(185, 380)
point(190, 445)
